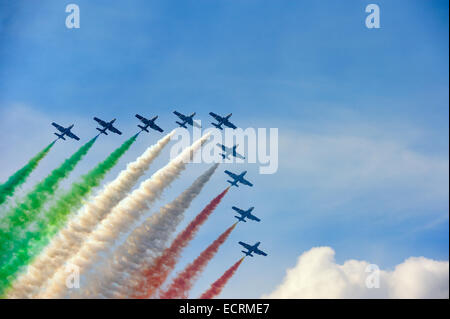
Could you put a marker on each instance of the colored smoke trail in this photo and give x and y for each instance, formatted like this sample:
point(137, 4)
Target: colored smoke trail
point(185, 280)
point(13, 224)
point(71, 237)
point(119, 221)
point(8, 188)
point(217, 286)
point(115, 278)
point(72, 200)
point(157, 272)
point(47, 225)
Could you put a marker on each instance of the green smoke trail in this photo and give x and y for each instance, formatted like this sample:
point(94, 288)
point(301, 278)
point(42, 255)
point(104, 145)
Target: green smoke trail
point(57, 215)
point(24, 213)
point(8, 188)
point(72, 200)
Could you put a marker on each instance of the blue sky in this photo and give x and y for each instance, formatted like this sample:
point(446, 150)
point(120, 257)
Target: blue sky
point(362, 114)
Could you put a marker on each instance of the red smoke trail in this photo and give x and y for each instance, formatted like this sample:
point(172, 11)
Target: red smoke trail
point(156, 273)
point(184, 281)
point(217, 286)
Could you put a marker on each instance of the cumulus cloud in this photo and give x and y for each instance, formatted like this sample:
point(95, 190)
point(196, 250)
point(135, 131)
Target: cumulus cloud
point(317, 275)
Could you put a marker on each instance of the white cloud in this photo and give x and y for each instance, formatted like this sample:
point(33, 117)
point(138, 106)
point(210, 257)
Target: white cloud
point(317, 275)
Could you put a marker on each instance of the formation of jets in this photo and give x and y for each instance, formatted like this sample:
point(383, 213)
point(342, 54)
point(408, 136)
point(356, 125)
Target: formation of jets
point(184, 121)
point(243, 214)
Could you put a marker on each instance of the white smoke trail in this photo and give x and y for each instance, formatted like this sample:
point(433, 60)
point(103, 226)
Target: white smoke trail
point(69, 240)
point(115, 278)
point(118, 222)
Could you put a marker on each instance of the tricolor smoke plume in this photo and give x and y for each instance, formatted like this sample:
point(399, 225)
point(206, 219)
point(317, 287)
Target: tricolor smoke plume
point(71, 237)
point(120, 220)
point(48, 224)
point(184, 281)
point(217, 286)
point(115, 278)
point(154, 274)
point(13, 224)
point(8, 188)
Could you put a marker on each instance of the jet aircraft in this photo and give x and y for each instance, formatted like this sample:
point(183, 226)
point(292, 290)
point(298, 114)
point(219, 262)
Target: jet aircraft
point(65, 131)
point(186, 120)
point(227, 151)
point(148, 123)
point(238, 179)
point(222, 120)
point(252, 249)
point(107, 126)
point(245, 214)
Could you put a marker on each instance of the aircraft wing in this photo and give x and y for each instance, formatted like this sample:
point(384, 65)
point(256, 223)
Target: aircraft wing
point(71, 135)
point(142, 119)
point(58, 127)
point(240, 211)
point(231, 174)
point(229, 124)
point(253, 217)
point(238, 155)
point(156, 127)
point(113, 129)
point(181, 116)
point(245, 182)
point(247, 246)
point(217, 117)
point(101, 122)
point(259, 252)
point(223, 147)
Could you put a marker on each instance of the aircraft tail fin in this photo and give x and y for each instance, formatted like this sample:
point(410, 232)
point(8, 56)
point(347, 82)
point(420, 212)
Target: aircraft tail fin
point(247, 253)
point(241, 219)
point(223, 155)
point(143, 128)
point(233, 183)
point(60, 136)
point(102, 131)
point(219, 126)
point(181, 124)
